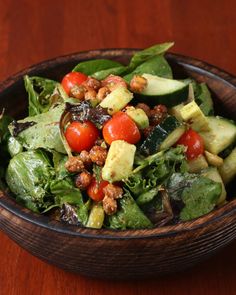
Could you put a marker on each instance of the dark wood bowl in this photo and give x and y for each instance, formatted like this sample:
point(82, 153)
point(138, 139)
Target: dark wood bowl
point(112, 253)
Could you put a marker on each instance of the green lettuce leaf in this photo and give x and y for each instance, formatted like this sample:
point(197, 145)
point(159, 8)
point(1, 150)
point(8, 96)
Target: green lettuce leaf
point(129, 215)
point(200, 198)
point(142, 56)
point(28, 176)
point(40, 94)
point(203, 98)
point(156, 65)
point(91, 67)
point(42, 131)
point(66, 193)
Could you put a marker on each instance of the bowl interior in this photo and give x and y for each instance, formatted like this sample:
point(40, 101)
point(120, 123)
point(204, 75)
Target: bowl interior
point(14, 99)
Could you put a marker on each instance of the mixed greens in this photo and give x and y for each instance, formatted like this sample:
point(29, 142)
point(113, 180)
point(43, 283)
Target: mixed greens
point(119, 146)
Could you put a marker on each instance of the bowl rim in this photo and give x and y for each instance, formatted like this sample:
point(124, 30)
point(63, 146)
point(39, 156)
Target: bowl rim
point(9, 204)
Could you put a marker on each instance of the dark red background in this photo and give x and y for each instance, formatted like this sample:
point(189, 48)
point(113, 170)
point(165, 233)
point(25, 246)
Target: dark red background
point(32, 31)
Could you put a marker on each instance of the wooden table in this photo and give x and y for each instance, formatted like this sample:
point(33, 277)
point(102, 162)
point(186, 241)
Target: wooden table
point(32, 31)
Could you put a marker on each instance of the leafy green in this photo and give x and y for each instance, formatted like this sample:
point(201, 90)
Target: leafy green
point(40, 91)
point(178, 182)
point(28, 176)
point(43, 133)
point(66, 193)
point(112, 71)
point(203, 98)
point(129, 215)
point(14, 147)
point(142, 56)
point(153, 171)
point(200, 198)
point(156, 65)
point(91, 67)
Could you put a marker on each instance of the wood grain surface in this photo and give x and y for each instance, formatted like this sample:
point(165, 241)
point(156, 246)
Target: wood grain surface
point(32, 31)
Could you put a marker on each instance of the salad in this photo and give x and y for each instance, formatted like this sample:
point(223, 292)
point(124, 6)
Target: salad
point(119, 146)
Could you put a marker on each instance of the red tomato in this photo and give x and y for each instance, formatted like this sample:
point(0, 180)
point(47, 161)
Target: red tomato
point(72, 79)
point(95, 190)
point(194, 143)
point(81, 136)
point(112, 82)
point(122, 127)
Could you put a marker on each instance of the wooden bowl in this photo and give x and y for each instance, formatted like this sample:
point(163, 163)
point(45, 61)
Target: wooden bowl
point(113, 253)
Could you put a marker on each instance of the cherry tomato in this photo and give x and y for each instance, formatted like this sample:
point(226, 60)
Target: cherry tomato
point(81, 136)
point(122, 127)
point(112, 82)
point(194, 143)
point(72, 79)
point(95, 190)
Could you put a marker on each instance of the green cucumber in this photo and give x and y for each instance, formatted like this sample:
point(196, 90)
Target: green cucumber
point(163, 136)
point(159, 90)
point(221, 134)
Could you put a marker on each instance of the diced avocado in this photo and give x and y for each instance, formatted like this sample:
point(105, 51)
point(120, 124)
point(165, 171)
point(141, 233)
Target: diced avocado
point(222, 134)
point(192, 113)
point(197, 165)
point(138, 116)
point(119, 161)
point(213, 174)
point(213, 160)
point(117, 100)
point(96, 216)
point(228, 169)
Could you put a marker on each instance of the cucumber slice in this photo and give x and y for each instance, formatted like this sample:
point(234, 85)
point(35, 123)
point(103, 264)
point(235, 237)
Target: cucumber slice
point(163, 91)
point(163, 136)
point(221, 134)
point(228, 169)
point(213, 174)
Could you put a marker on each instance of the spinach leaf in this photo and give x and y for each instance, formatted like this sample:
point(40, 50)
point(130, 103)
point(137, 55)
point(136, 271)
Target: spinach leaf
point(111, 71)
point(43, 133)
point(142, 56)
point(40, 93)
point(203, 98)
point(28, 176)
point(200, 198)
point(90, 67)
point(156, 65)
point(129, 215)
point(66, 193)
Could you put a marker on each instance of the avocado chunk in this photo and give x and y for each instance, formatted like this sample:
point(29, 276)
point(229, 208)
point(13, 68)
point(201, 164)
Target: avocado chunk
point(119, 161)
point(138, 116)
point(116, 100)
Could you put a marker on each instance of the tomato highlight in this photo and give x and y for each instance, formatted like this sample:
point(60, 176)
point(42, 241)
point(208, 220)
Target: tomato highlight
point(121, 127)
point(72, 79)
point(194, 143)
point(81, 136)
point(95, 189)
